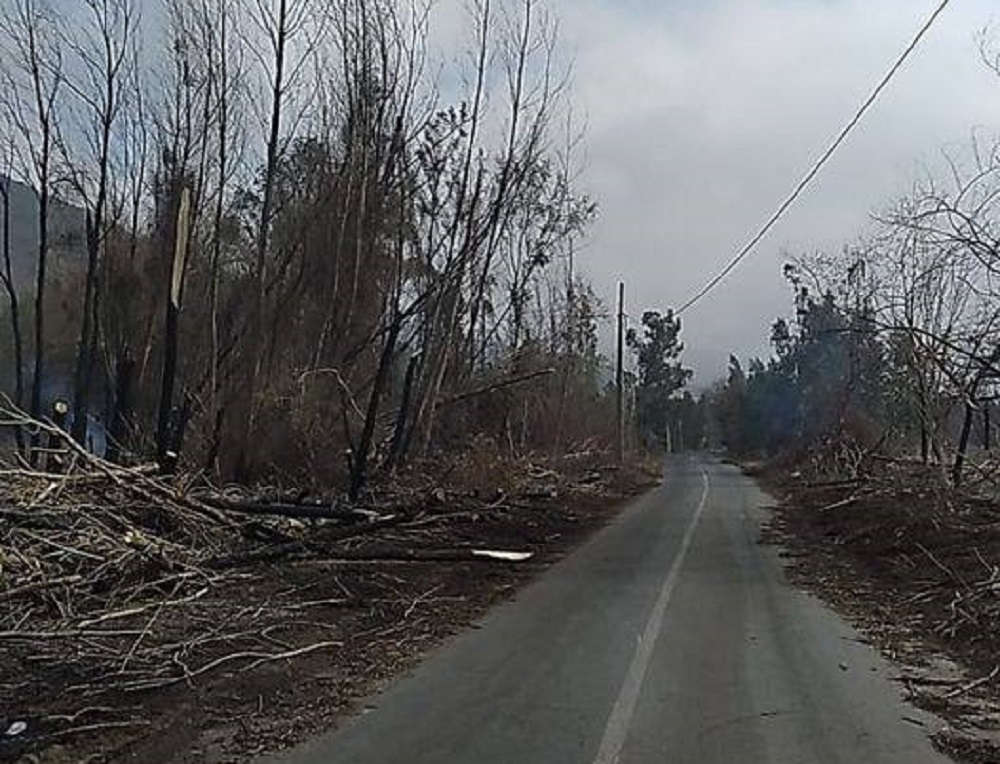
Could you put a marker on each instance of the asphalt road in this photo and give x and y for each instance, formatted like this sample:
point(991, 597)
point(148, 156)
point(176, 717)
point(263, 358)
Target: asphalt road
point(671, 637)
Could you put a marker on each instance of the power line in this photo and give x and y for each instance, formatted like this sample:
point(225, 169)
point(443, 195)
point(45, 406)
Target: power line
point(790, 200)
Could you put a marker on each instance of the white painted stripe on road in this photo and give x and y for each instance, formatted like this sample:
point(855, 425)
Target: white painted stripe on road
point(628, 697)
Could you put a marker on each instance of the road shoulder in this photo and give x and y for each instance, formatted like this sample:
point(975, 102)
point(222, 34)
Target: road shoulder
point(878, 561)
point(387, 616)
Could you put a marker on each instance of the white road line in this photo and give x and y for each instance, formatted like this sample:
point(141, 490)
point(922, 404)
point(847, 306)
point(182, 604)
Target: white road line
point(621, 714)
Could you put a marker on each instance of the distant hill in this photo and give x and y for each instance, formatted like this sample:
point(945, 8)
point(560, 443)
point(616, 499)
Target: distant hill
point(66, 233)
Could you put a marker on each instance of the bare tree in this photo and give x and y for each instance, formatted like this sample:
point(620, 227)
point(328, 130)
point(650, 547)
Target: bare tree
point(125, 317)
point(224, 70)
point(10, 287)
point(32, 84)
point(104, 53)
point(282, 40)
point(373, 262)
point(484, 194)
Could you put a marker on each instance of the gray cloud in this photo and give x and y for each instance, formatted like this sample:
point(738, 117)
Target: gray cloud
point(702, 116)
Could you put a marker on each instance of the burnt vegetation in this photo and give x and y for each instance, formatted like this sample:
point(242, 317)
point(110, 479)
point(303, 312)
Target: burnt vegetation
point(307, 248)
point(299, 374)
point(876, 420)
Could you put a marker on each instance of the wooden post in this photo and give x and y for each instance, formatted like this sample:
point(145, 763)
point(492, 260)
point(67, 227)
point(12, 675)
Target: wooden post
point(620, 374)
point(164, 432)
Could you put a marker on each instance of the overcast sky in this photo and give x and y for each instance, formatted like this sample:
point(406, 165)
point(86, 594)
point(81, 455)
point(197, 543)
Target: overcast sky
point(702, 115)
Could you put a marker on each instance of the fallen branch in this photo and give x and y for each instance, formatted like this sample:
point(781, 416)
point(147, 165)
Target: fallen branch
point(95, 727)
point(37, 586)
point(498, 386)
point(261, 658)
point(297, 511)
point(303, 547)
point(403, 554)
point(972, 685)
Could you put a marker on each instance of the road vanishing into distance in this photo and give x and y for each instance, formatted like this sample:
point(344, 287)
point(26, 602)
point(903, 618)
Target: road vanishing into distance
point(671, 637)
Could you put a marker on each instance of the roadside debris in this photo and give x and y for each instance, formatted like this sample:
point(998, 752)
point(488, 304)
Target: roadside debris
point(117, 584)
point(915, 561)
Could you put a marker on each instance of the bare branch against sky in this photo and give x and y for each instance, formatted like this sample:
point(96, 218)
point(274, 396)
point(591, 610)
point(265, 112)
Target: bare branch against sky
point(702, 116)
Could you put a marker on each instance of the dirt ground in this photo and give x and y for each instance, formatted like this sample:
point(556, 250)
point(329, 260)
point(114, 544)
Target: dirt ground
point(916, 566)
point(300, 642)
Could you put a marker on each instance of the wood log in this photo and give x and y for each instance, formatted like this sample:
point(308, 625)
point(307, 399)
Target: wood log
point(410, 554)
point(305, 547)
point(292, 510)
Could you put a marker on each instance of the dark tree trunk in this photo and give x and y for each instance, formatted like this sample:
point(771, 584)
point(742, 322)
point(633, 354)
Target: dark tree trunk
point(38, 378)
point(212, 458)
point(56, 461)
point(15, 313)
point(165, 411)
point(987, 427)
point(963, 444)
point(396, 451)
point(255, 335)
point(166, 440)
point(83, 373)
point(359, 464)
point(121, 416)
point(176, 430)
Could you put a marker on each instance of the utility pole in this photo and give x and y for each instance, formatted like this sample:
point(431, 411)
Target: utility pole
point(620, 375)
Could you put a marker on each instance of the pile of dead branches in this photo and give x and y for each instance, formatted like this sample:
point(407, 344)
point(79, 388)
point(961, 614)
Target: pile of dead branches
point(929, 548)
point(116, 581)
point(107, 590)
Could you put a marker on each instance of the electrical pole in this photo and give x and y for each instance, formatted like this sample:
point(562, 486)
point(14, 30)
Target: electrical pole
point(620, 375)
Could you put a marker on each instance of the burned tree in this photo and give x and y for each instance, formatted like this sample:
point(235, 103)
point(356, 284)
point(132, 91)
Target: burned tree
point(32, 82)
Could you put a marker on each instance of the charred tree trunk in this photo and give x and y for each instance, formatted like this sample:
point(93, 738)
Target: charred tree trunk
point(399, 433)
point(83, 373)
point(38, 377)
point(359, 464)
point(987, 428)
point(963, 444)
point(56, 461)
point(256, 334)
point(121, 416)
point(15, 312)
point(223, 106)
point(164, 436)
